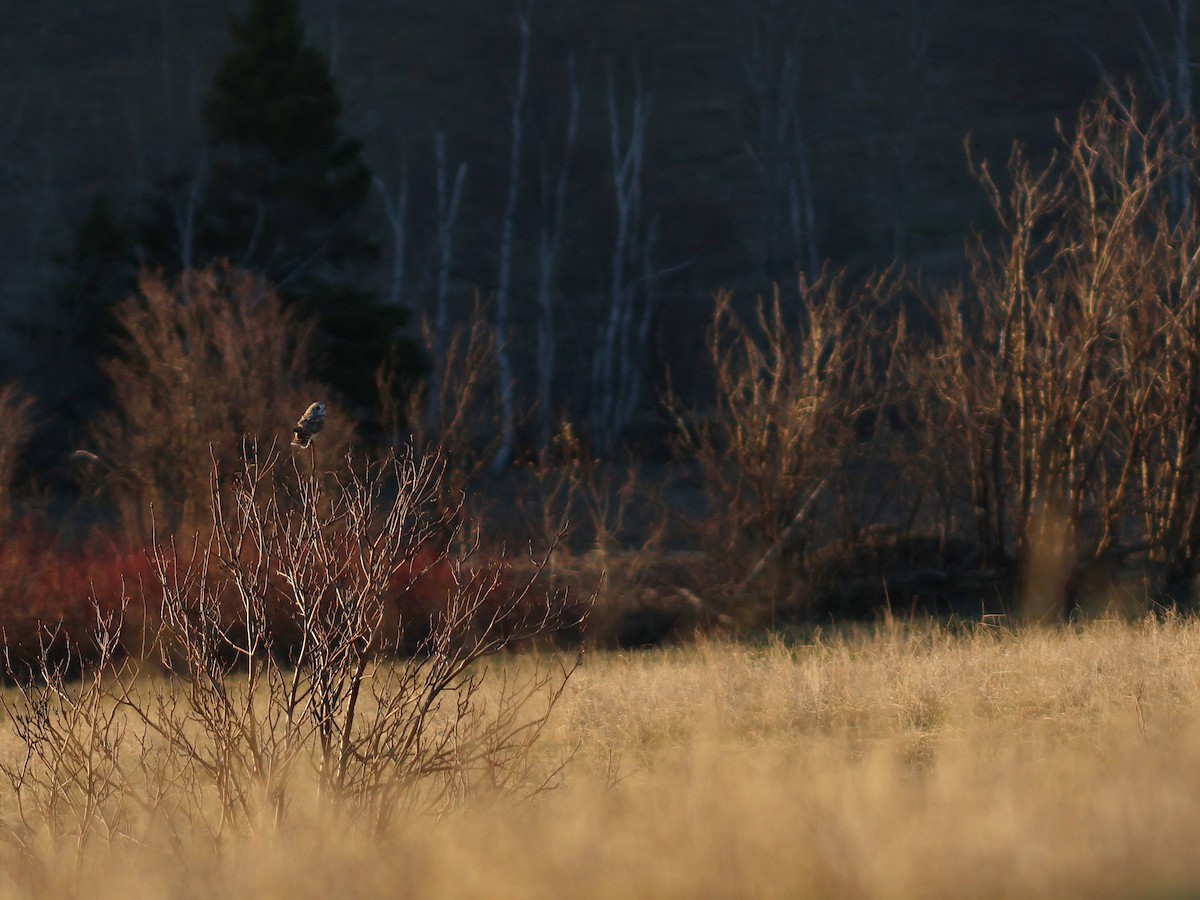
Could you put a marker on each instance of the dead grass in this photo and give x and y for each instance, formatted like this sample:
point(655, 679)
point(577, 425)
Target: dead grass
point(898, 762)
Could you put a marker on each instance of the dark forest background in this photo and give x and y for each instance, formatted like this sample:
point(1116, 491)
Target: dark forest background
point(788, 308)
point(777, 136)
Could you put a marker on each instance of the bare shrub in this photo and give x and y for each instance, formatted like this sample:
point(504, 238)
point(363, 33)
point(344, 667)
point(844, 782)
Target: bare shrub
point(1158, 416)
point(608, 526)
point(453, 415)
point(1061, 386)
point(798, 404)
point(75, 781)
point(16, 409)
point(203, 360)
point(277, 626)
point(50, 583)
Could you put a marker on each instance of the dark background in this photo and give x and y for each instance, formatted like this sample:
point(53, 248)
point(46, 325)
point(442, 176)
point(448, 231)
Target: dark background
point(106, 98)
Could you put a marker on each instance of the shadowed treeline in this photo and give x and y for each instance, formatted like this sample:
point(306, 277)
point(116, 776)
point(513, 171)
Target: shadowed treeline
point(1023, 439)
point(775, 137)
point(1032, 415)
point(634, 324)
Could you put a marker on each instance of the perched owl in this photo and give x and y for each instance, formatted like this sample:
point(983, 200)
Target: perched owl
point(310, 423)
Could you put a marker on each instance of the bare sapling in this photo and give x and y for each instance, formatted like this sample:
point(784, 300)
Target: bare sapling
point(1058, 384)
point(327, 646)
point(783, 436)
point(463, 402)
point(608, 527)
point(203, 360)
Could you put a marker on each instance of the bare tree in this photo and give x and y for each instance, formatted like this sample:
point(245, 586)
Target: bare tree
point(204, 359)
point(1164, 43)
point(783, 430)
point(277, 625)
point(464, 406)
point(396, 208)
point(508, 226)
point(326, 20)
point(771, 61)
point(1066, 373)
point(448, 198)
point(618, 352)
point(184, 197)
point(550, 239)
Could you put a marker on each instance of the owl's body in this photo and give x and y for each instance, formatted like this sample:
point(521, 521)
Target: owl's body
point(309, 425)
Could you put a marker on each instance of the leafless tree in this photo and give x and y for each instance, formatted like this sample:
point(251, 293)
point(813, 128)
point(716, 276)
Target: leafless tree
point(618, 353)
point(550, 240)
point(1164, 42)
point(396, 208)
point(448, 198)
point(783, 431)
point(1066, 370)
point(325, 19)
point(204, 359)
point(771, 60)
point(184, 197)
point(508, 236)
point(595, 512)
point(464, 406)
point(276, 626)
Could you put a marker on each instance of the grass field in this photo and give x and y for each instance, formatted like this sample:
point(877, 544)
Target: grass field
point(899, 761)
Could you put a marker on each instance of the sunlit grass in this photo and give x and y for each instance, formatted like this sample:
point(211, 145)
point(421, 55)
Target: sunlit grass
point(894, 762)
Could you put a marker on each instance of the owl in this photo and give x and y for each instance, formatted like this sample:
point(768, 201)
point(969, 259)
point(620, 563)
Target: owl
point(310, 423)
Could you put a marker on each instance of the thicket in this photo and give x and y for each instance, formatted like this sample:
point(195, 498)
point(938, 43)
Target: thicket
point(323, 620)
point(338, 627)
point(1012, 434)
point(279, 627)
point(1043, 413)
point(202, 361)
point(1058, 393)
point(797, 421)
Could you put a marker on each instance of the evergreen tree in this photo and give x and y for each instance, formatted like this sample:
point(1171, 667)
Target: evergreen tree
point(73, 330)
point(98, 272)
point(286, 191)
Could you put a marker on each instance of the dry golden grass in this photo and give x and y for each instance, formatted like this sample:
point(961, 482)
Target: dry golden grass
point(897, 762)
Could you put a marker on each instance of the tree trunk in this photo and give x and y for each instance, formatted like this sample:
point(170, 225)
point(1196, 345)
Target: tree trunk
point(549, 247)
point(508, 413)
point(447, 214)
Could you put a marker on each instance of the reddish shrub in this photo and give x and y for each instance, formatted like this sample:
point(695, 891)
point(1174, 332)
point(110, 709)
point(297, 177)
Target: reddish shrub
point(50, 590)
point(430, 587)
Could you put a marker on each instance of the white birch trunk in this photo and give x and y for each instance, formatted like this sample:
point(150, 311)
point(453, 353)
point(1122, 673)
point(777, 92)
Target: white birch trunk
point(508, 412)
point(549, 246)
point(447, 214)
point(613, 350)
point(186, 215)
point(772, 67)
point(396, 209)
